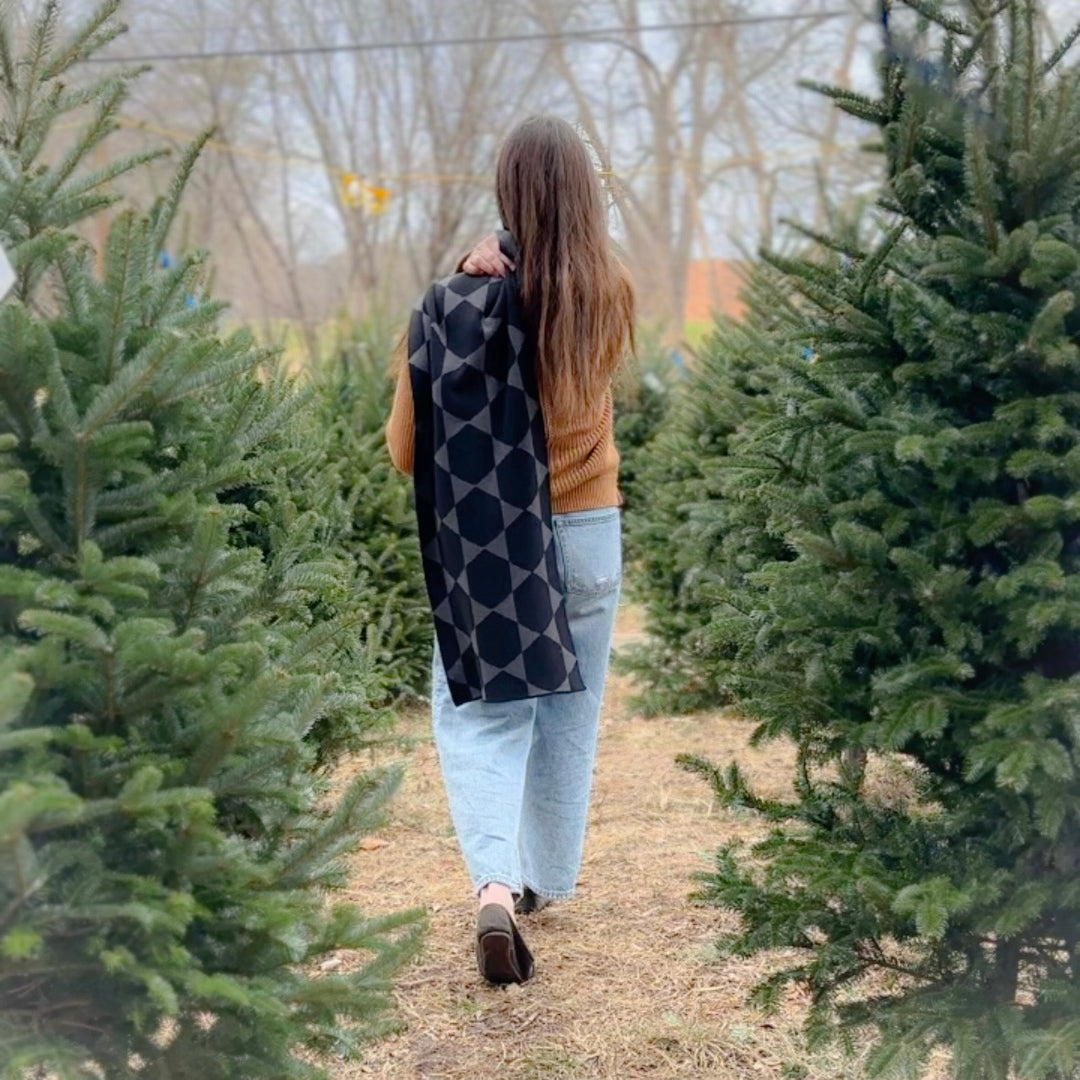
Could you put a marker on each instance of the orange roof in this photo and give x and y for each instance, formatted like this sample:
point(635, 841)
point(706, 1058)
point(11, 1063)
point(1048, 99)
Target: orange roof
point(712, 287)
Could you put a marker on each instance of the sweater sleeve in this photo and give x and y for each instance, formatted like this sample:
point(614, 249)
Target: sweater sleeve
point(401, 427)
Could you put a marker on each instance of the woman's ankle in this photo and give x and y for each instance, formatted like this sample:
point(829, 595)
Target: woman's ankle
point(495, 892)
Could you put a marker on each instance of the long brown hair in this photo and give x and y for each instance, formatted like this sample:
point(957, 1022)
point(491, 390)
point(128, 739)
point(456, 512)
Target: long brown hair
point(577, 294)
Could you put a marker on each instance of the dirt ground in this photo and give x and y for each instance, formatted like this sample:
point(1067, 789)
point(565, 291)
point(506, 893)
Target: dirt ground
point(628, 982)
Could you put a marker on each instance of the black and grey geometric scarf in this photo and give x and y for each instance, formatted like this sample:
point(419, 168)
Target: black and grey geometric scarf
point(483, 501)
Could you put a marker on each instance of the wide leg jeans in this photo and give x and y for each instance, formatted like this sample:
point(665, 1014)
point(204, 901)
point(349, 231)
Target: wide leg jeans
point(518, 774)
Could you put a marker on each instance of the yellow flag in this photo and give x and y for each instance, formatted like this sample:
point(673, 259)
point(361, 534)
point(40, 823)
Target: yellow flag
point(357, 193)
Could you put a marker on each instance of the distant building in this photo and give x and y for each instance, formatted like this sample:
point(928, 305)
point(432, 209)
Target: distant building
point(712, 288)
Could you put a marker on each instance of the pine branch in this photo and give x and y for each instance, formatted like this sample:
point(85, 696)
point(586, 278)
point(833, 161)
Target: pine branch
point(731, 788)
point(59, 389)
point(88, 181)
point(172, 286)
point(855, 104)
point(911, 122)
point(43, 528)
point(31, 259)
point(360, 809)
point(119, 257)
point(165, 211)
point(100, 125)
point(7, 65)
point(933, 12)
point(41, 38)
point(88, 38)
point(878, 258)
point(980, 170)
point(204, 376)
point(971, 51)
point(72, 270)
point(1030, 68)
point(828, 241)
point(1060, 52)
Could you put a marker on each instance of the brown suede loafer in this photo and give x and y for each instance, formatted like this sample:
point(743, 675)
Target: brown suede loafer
point(501, 953)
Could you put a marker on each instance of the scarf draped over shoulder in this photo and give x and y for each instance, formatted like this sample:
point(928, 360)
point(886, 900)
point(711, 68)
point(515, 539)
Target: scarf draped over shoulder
point(483, 501)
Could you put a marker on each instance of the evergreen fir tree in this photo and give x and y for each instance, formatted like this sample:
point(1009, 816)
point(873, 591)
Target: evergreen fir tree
point(918, 455)
point(641, 397)
point(353, 397)
point(171, 628)
point(681, 539)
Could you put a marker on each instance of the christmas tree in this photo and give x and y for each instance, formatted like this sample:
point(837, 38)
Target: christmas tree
point(354, 392)
point(642, 393)
point(917, 458)
point(172, 627)
point(683, 542)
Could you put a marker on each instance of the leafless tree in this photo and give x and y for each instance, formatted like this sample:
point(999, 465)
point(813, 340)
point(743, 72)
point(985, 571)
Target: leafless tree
point(697, 118)
point(694, 123)
point(693, 107)
point(365, 98)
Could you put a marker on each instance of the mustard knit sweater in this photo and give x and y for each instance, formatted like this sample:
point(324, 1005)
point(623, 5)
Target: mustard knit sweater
point(582, 457)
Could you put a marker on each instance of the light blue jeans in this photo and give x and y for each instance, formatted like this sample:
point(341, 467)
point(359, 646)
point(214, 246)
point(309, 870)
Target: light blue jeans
point(518, 774)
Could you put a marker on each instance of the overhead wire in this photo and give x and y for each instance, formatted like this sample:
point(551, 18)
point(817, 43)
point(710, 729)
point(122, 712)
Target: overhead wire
point(345, 176)
point(584, 34)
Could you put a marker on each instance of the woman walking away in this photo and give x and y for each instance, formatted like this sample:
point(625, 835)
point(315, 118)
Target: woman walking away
point(503, 413)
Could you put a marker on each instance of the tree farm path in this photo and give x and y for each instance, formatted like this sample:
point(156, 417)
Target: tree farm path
point(628, 981)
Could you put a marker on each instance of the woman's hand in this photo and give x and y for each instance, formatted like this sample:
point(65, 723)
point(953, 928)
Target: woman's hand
point(486, 259)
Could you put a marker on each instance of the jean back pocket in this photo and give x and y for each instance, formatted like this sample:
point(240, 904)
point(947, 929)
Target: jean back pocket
point(588, 544)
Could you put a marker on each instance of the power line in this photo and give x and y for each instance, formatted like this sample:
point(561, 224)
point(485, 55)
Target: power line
point(318, 23)
point(430, 43)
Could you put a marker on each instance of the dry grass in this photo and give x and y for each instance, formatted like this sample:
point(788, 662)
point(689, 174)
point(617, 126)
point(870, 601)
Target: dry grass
point(628, 983)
